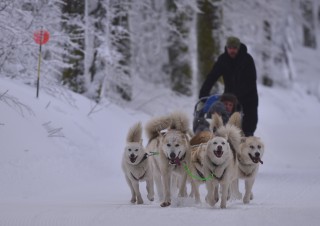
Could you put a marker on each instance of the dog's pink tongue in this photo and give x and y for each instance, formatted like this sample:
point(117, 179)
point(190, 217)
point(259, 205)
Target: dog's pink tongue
point(177, 161)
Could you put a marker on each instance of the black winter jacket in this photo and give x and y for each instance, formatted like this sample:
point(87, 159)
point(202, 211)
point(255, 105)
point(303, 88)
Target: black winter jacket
point(239, 75)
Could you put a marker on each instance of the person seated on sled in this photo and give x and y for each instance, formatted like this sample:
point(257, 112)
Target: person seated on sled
point(225, 106)
point(230, 102)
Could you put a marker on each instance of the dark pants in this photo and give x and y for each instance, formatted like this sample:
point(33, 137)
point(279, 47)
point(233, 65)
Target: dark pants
point(250, 119)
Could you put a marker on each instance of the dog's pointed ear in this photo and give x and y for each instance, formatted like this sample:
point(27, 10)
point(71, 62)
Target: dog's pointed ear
point(229, 145)
point(214, 130)
point(185, 136)
point(243, 139)
point(163, 132)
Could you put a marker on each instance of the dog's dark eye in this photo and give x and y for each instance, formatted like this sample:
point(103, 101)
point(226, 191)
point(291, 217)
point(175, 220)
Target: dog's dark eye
point(129, 149)
point(169, 145)
point(251, 146)
point(259, 147)
point(177, 145)
point(214, 142)
point(136, 150)
point(223, 143)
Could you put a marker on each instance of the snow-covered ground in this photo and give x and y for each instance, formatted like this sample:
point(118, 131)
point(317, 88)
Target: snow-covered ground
point(60, 164)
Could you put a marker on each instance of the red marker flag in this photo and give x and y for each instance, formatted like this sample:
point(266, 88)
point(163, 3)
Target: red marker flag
point(41, 37)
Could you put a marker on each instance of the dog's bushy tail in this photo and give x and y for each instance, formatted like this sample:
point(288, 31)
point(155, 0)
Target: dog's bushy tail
point(179, 121)
point(232, 134)
point(155, 125)
point(135, 133)
point(235, 119)
point(216, 122)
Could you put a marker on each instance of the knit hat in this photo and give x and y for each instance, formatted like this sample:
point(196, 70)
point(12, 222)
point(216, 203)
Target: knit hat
point(233, 42)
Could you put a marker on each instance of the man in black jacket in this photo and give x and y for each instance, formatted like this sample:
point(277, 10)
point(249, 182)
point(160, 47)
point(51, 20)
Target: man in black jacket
point(237, 68)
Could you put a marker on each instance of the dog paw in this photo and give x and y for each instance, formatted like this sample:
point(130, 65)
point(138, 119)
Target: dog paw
point(238, 196)
point(246, 200)
point(165, 204)
point(150, 197)
point(182, 194)
point(223, 206)
point(210, 201)
point(140, 201)
point(251, 196)
point(133, 200)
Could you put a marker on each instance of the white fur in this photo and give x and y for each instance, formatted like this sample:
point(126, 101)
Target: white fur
point(135, 167)
point(248, 168)
point(172, 144)
point(219, 161)
point(217, 170)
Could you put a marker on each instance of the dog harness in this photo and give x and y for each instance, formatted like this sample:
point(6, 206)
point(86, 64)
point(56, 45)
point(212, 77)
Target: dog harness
point(145, 156)
point(218, 178)
point(140, 178)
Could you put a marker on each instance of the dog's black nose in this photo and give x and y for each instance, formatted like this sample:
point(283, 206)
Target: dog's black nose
point(257, 154)
point(172, 155)
point(219, 148)
point(131, 156)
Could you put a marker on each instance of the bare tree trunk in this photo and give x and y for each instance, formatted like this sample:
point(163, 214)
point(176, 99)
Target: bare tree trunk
point(209, 27)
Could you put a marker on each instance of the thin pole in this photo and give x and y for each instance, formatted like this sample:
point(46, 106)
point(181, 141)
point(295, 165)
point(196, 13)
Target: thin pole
point(38, 80)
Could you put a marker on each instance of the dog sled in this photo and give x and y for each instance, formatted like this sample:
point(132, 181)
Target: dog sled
point(204, 104)
point(208, 105)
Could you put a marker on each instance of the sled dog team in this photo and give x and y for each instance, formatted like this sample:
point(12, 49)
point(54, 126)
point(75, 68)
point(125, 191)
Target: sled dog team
point(173, 158)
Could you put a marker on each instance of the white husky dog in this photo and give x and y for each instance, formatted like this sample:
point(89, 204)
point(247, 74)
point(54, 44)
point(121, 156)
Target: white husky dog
point(229, 134)
point(174, 153)
point(136, 165)
point(220, 163)
point(251, 152)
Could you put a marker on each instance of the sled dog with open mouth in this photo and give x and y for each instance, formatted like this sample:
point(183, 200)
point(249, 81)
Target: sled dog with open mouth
point(220, 163)
point(251, 152)
point(136, 165)
point(174, 153)
point(213, 154)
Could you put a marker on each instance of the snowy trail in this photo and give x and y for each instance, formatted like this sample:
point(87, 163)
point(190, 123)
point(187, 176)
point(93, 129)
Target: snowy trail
point(287, 196)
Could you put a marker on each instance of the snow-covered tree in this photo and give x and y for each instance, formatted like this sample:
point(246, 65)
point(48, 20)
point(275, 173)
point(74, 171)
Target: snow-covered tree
point(180, 16)
point(19, 53)
point(73, 27)
point(116, 49)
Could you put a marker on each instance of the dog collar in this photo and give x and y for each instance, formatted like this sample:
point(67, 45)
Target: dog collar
point(145, 156)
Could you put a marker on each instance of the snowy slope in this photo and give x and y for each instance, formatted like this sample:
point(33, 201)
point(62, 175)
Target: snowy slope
point(60, 165)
